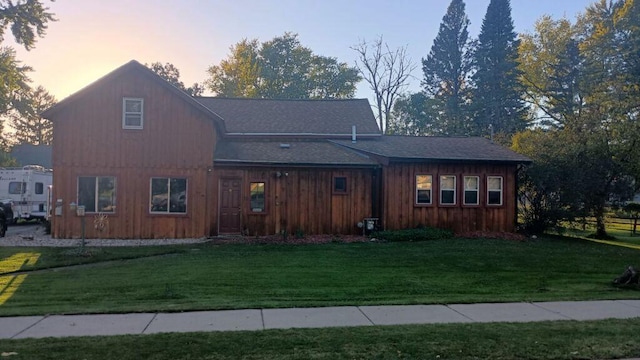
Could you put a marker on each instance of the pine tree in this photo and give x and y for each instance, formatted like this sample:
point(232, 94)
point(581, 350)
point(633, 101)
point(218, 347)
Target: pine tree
point(497, 99)
point(30, 127)
point(446, 72)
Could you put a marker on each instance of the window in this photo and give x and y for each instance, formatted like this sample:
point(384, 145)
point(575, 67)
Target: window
point(448, 190)
point(494, 190)
point(132, 113)
point(339, 185)
point(471, 189)
point(97, 193)
point(39, 188)
point(168, 195)
point(423, 189)
point(17, 187)
point(257, 197)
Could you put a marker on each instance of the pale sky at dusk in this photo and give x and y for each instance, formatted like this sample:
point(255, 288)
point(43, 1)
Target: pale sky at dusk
point(93, 37)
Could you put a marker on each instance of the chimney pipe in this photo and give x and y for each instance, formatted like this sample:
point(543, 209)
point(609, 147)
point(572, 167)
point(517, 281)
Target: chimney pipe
point(353, 134)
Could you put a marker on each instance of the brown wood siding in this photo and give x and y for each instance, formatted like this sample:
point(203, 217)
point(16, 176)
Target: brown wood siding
point(176, 141)
point(400, 210)
point(302, 200)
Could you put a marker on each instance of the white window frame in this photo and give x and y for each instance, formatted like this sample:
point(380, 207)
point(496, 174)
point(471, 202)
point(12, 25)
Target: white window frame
point(476, 190)
point(430, 190)
point(490, 190)
point(455, 193)
point(126, 113)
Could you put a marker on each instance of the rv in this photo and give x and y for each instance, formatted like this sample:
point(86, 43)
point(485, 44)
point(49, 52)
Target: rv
point(25, 192)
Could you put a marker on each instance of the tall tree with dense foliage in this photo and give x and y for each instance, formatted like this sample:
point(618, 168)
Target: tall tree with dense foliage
point(447, 71)
point(30, 127)
point(281, 68)
point(170, 72)
point(387, 72)
point(497, 96)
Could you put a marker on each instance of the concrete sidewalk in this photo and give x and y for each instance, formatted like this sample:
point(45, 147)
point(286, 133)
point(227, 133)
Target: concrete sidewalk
point(262, 319)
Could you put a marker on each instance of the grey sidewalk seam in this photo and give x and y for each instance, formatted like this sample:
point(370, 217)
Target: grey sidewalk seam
point(29, 327)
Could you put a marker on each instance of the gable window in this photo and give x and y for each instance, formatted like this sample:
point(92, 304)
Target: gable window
point(97, 193)
point(168, 195)
point(494, 190)
point(257, 197)
point(423, 189)
point(132, 113)
point(471, 189)
point(447, 190)
point(339, 185)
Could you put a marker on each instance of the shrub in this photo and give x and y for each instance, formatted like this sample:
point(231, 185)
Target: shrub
point(413, 234)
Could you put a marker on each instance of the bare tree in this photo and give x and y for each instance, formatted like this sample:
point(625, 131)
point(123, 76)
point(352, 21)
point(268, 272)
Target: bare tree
point(386, 71)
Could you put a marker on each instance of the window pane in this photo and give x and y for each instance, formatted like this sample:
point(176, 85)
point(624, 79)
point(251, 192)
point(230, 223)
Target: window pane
point(423, 189)
point(87, 193)
point(340, 184)
point(257, 196)
point(448, 197)
point(471, 183)
point(17, 187)
point(495, 198)
point(178, 200)
point(494, 183)
point(447, 182)
point(39, 188)
point(471, 197)
point(159, 194)
point(132, 105)
point(107, 194)
point(133, 120)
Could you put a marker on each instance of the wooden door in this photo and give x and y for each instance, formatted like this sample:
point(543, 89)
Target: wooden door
point(230, 206)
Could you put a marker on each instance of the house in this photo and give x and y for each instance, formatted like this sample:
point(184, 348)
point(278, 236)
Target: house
point(147, 160)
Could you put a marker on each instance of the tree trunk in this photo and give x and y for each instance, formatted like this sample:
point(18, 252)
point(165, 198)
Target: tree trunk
point(601, 231)
point(635, 225)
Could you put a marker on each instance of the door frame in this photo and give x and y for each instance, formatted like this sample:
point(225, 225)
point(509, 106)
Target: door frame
point(220, 180)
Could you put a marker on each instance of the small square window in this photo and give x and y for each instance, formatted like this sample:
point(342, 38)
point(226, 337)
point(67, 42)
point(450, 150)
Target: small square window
point(132, 113)
point(340, 185)
point(448, 190)
point(423, 189)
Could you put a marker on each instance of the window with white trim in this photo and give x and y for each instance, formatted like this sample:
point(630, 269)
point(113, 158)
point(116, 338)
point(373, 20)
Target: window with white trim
point(132, 113)
point(424, 185)
point(97, 193)
point(448, 190)
point(494, 190)
point(471, 190)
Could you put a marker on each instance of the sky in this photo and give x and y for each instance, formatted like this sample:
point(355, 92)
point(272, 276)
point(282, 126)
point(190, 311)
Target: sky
point(94, 37)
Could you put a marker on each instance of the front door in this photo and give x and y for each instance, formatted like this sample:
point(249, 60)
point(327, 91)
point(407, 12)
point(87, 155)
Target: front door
point(230, 207)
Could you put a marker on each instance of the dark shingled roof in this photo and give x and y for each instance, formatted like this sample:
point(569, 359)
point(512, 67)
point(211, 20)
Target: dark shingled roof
point(297, 153)
point(289, 117)
point(436, 148)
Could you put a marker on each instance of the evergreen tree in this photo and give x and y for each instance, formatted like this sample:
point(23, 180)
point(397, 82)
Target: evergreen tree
point(30, 127)
point(446, 72)
point(497, 99)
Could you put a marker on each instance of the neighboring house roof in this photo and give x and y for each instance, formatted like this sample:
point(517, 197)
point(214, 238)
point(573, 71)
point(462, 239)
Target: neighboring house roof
point(267, 117)
point(412, 148)
point(317, 153)
point(131, 66)
point(28, 154)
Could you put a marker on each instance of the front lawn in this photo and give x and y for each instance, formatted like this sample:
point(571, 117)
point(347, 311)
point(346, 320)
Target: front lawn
point(206, 276)
point(609, 339)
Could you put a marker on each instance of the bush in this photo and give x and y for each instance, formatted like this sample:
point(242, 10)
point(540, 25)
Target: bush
point(413, 234)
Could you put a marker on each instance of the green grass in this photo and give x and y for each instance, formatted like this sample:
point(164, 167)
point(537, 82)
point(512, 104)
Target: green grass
point(621, 229)
point(199, 277)
point(547, 340)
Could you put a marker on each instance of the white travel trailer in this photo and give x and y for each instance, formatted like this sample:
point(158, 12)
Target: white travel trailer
point(25, 192)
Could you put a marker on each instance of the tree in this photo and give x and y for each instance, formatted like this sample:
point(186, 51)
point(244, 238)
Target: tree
point(497, 96)
point(387, 72)
point(281, 68)
point(171, 73)
point(30, 127)
point(28, 19)
point(447, 70)
point(412, 116)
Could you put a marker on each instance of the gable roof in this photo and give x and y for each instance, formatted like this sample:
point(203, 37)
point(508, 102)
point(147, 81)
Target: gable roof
point(415, 148)
point(319, 118)
point(315, 153)
point(131, 67)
